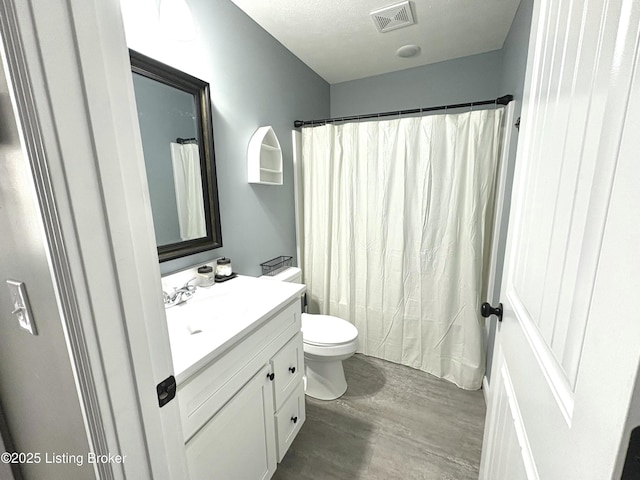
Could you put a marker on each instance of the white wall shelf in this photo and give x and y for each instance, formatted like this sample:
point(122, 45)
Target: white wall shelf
point(264, 157)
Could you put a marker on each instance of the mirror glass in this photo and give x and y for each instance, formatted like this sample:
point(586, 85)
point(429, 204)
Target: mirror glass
point(177, 138)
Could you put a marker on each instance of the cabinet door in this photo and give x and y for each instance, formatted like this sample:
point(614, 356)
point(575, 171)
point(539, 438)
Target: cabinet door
point(239, 440)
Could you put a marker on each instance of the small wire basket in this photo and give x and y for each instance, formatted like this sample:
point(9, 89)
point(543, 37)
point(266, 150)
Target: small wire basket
point(275, 265)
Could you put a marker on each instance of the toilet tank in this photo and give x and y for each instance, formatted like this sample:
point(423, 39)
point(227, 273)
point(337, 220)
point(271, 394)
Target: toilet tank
point(291, 275)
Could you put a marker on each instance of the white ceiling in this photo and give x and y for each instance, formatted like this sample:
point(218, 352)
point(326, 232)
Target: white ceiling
point(339, 41)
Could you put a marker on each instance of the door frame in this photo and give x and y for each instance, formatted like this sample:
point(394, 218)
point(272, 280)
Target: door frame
point(502, 201)
point(296, 142)
point(69, 75)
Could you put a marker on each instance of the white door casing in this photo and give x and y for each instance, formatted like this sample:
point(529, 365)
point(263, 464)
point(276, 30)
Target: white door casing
point(498, 233)
point(566, 354)
point(70, 69)
point(296, 139)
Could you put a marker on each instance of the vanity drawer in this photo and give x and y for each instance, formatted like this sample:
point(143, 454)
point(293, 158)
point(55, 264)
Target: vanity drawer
point(202, 395)
point(288, 368)
point(289, 420)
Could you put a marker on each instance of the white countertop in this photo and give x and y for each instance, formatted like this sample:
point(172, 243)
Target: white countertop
point(217, 317)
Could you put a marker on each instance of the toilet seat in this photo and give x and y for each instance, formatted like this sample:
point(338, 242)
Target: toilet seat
point(327, 330)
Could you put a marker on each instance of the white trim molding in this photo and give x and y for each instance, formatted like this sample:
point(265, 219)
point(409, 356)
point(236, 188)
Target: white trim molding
point(74, 98)
point(23, 102)
point(486, 392)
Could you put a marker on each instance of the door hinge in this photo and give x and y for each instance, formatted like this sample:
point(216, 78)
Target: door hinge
point(166, 390)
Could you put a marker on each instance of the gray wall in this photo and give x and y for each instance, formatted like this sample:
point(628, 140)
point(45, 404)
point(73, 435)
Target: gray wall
point(254, 81)
point(37, 389)
point(164, 114)
point(514, 63)
point(455, 81)
point(514, 53)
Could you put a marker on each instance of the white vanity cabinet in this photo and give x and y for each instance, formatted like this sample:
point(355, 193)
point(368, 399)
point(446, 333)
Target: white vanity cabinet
point(241, 411)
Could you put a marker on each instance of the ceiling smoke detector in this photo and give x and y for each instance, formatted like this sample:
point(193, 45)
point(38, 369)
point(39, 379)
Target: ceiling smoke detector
point(393, 17)
point(408, 51)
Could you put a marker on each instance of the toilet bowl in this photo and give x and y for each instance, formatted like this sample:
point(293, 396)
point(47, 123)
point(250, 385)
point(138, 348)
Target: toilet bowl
point(327, 341)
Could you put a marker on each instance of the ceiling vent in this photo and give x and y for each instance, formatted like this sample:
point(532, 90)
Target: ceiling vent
point(393, 17)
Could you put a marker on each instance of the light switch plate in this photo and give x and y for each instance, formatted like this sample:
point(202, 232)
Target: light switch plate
point(20, 306)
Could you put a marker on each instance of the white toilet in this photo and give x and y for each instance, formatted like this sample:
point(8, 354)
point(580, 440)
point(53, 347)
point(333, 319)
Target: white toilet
point(327, 341)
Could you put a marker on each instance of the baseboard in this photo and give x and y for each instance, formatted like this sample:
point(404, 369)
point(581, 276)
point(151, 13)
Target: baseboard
point(485, 390)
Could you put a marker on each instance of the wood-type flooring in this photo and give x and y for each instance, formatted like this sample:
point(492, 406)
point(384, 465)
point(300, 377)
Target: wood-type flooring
point(394, 422)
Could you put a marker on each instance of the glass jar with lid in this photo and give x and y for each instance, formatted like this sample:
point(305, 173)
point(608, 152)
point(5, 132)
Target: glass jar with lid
point(206, 277)
point(223, 267)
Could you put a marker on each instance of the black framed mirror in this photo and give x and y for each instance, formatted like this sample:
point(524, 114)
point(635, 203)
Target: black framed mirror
point(174, 113)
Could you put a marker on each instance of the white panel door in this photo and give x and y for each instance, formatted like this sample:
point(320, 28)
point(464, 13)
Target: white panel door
point(567, 350)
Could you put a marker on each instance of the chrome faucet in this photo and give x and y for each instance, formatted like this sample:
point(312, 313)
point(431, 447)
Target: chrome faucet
point(179, 295)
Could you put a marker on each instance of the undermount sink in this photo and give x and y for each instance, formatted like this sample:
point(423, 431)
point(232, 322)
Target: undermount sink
point(215, 318)
point(208, 311)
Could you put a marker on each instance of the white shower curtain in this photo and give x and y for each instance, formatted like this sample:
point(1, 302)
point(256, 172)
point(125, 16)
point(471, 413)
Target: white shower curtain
point(397, 220)
point(187, 181)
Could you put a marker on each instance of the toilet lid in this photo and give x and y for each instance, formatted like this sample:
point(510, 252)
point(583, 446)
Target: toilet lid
point(327, 330)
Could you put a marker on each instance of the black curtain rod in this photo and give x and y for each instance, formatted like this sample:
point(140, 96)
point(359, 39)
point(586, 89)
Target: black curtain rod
point(182, 141)
point(498, 101)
